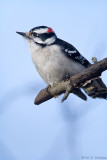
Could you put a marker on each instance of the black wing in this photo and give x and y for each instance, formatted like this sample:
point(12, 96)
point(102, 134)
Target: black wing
point(71, 52)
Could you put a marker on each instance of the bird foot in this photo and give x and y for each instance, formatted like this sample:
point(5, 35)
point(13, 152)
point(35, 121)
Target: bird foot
point(66, 77)
point(46, 89)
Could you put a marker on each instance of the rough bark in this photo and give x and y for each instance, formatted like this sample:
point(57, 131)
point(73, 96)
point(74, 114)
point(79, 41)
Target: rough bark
point(76, 81)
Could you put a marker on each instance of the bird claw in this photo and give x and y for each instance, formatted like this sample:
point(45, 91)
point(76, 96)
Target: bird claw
point(66, 77)
point(46, 89)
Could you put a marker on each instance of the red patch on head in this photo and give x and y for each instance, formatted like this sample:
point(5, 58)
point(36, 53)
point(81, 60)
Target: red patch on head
point(50, 30)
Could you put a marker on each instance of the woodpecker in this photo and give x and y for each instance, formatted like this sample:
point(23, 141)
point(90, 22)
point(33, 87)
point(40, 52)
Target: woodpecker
point(56, 60)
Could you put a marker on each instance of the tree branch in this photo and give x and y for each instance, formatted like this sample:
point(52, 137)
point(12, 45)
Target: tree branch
point(76, 81)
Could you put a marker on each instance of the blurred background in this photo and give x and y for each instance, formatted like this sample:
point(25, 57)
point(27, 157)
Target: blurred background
point(73, 130)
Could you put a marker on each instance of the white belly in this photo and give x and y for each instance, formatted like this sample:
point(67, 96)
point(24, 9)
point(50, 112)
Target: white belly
point(53, 65)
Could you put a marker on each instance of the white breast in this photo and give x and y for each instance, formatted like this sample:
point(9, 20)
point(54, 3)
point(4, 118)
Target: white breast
point(52, 64)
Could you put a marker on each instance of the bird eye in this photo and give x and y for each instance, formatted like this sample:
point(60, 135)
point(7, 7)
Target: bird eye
point(34, 34)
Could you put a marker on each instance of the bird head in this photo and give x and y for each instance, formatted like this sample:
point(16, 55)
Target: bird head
point(41, 35)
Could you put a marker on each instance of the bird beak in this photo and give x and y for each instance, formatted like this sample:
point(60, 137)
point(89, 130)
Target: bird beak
point(22, 34)
point(25, 35)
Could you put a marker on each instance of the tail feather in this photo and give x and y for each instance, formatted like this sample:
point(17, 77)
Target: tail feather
point(96, 88)
point(79, 93)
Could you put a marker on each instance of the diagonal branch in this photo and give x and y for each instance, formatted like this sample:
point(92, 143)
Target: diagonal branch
point(76, 81)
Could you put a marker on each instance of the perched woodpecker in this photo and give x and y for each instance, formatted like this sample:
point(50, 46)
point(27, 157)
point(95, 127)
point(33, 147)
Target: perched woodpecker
point(56, 59)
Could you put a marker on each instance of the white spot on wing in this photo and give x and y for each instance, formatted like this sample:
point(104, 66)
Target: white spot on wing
point(70, 52)
point(66, 50)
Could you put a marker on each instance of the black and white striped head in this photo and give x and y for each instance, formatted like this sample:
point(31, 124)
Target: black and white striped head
point(42, 35)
